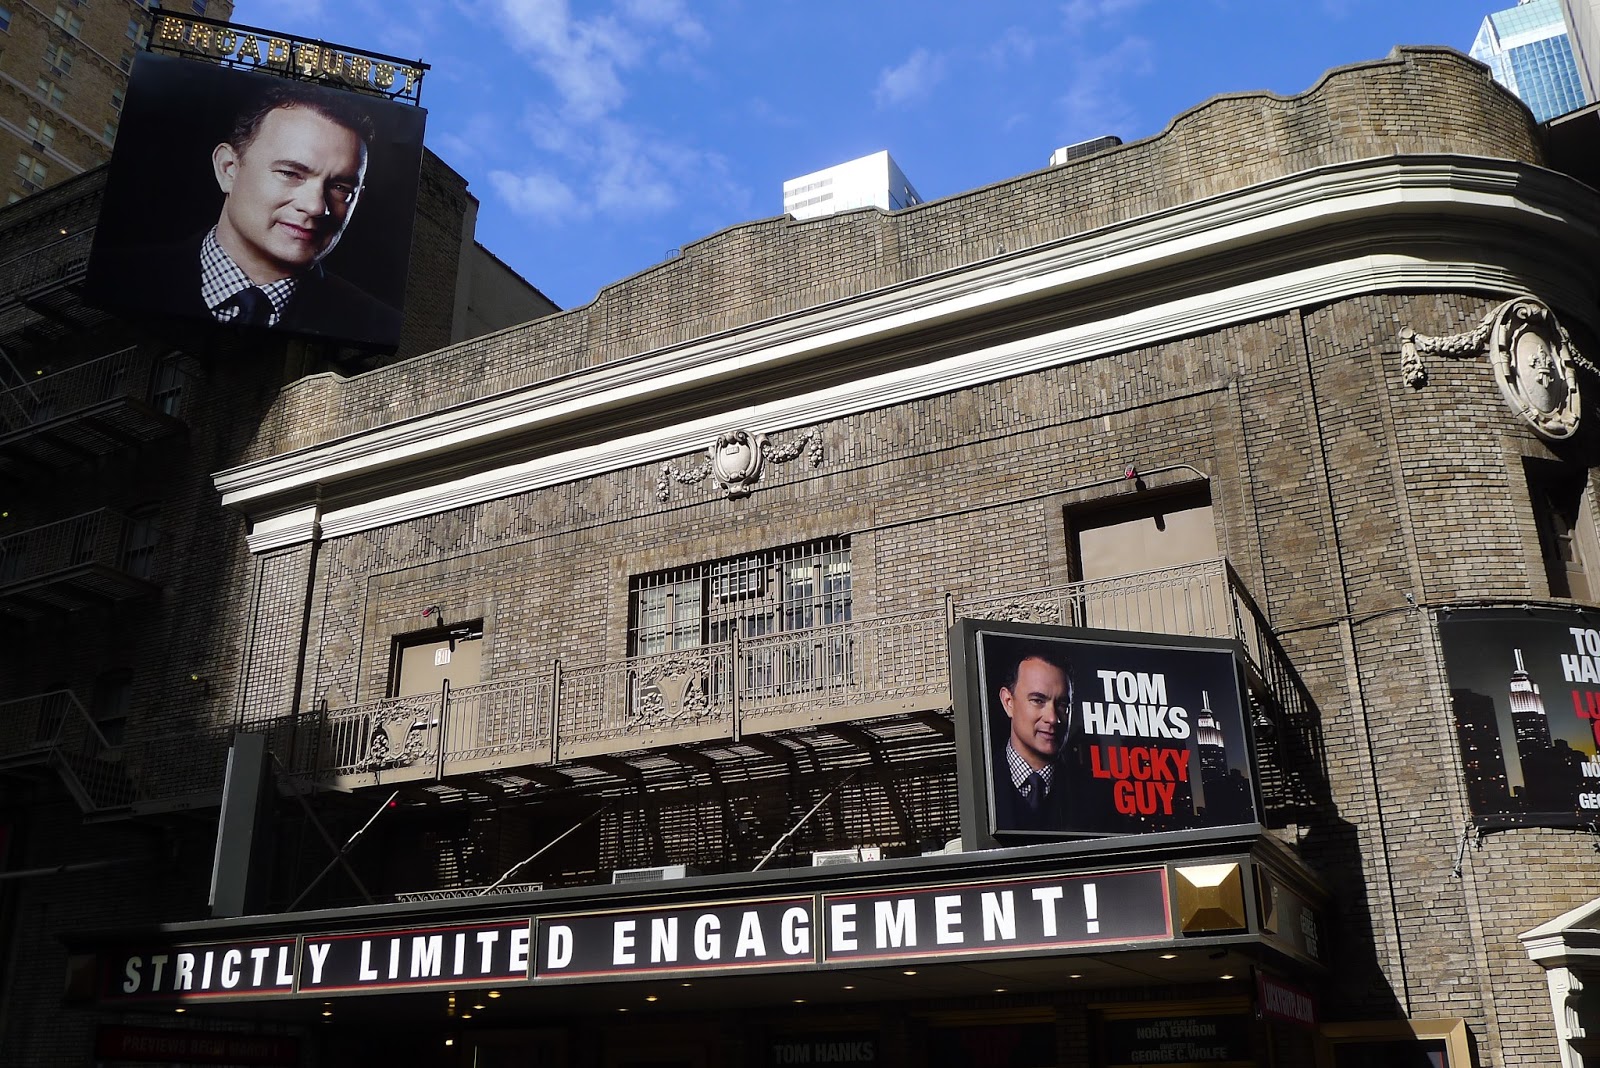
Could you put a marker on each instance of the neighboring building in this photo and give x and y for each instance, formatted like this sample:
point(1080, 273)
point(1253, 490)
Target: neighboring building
point(1583, 31)
point(65, 67)
point(1528, 50)
point(873, 181)
point(584, 653)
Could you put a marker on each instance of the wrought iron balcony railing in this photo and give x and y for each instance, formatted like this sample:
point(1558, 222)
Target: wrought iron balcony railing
point(94, 557)
point(93, 409)
point(124, 374)
point(55, 730)
point(56, 261)
point(857, 670)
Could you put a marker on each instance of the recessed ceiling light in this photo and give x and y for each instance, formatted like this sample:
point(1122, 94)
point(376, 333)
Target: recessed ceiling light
point(999, 990)
point(449, 1041)
point(909, 971)
point(466, 1016)
point(799, 1001)
point(849, 986)
point(1075, 975)
point(622, 1010)
point(327, 1012)
point(1169, 956)
point(180, 1010)
point(494, 993)
point(651, 997)
point(1224, 977)
point(686, 984)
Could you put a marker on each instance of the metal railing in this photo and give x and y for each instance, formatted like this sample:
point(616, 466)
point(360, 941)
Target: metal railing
point(54, 262)
point(104, 537)
point(55, 729)
point(124, 373)
point(858, 669)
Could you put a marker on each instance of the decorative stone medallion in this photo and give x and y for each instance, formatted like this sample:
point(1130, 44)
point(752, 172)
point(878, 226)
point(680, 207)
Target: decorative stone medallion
point(736, 460)
point(1535, 364)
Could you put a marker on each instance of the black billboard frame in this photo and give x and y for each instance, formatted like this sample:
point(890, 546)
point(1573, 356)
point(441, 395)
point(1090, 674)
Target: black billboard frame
point(974, 766)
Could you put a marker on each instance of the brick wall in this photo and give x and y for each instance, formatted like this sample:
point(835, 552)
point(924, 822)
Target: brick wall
point(1420, 100)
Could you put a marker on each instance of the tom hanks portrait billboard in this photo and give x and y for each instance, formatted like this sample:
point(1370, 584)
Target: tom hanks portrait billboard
point(1066, 732)
point(258, 202)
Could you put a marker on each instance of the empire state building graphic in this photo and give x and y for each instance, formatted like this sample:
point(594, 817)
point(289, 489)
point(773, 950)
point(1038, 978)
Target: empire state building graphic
point(1529, 722)
point(1549, 769)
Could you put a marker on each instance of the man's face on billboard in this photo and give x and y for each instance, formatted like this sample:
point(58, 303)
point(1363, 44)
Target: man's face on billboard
point(1039, 711)
point(289, 192)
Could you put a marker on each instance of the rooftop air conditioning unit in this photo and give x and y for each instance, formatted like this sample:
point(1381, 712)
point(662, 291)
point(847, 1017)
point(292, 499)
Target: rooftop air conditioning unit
point(652, 875)
point(845, 856)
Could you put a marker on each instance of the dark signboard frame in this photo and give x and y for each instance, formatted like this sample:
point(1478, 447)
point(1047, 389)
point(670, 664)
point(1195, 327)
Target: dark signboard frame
point(1525, 702)
point(163, 194)
point(1033, 915)
point(1104, 784)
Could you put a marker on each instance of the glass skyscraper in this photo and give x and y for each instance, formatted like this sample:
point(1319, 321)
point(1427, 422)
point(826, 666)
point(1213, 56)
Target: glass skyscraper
point(1529, 52)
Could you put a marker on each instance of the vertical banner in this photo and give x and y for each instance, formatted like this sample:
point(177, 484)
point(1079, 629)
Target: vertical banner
point(1072, 732)
point(1525, 693)
point(256, 201)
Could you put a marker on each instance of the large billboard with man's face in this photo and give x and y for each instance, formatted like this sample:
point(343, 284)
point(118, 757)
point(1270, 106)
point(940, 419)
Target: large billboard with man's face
point(258, 202)
point(1070, 732)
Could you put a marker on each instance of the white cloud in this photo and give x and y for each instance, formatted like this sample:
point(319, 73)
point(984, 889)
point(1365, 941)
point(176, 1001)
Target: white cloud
point(588, 158)
point(914, 78)
point(1082, 15)
point(538, 196)
point(1094, 103)
point(1015, 43)
point(669, 14)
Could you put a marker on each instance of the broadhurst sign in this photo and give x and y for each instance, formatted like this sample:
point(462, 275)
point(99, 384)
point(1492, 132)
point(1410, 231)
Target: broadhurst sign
point(1069, 732)
point(255, 201)
point(1029, 916)
point(1525, 691)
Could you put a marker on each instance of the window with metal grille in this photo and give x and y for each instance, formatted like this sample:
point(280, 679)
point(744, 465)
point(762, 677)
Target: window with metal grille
point(793, 588)
point(779, 603)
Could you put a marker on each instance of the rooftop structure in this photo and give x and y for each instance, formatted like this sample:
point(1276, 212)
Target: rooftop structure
point(873, 181)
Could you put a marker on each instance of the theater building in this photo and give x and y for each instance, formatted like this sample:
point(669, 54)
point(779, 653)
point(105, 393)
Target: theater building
point(602, 691)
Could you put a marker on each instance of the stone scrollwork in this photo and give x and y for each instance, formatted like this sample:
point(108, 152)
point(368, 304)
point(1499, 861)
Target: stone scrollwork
point(736, 461)
point(1534, 361)
point(1021, 612)
point(396, 738)
point(670, 691)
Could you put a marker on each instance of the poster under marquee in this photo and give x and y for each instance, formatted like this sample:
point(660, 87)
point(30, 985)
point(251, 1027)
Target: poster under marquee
point(1075, 732)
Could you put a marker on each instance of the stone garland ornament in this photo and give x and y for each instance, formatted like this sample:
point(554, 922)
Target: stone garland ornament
point(1534, 361)
point(736, 460)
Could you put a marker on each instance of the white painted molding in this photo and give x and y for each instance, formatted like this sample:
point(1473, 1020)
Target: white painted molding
point(283, 529)
point(1438, 206)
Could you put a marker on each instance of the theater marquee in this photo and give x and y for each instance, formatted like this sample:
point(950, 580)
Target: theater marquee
point(1039, 915)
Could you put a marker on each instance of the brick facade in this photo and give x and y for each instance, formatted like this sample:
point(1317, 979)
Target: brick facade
point(1350, 504)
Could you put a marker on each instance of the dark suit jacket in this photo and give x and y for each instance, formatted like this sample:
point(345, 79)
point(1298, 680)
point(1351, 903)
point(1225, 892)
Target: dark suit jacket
point(1011, 812)
point(168, 277)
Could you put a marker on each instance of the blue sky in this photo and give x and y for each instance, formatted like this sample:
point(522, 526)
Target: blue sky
point(602, 136)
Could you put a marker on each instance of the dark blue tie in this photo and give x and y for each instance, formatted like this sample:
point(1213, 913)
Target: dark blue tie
point(1036, 790)
point(255, 307)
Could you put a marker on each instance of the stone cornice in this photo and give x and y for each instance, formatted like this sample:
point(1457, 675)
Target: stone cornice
point(1399, 223)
